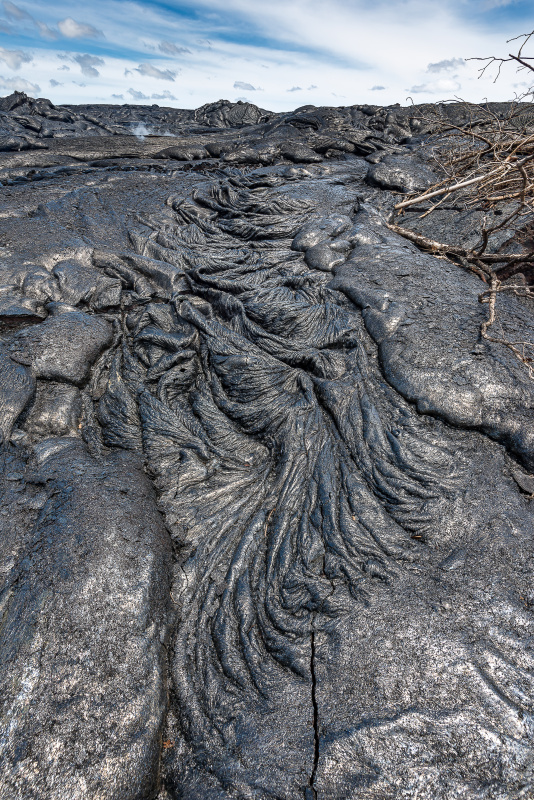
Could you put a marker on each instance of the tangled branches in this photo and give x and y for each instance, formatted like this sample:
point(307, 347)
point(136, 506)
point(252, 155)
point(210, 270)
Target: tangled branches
point(486, 162)
point(485, 159)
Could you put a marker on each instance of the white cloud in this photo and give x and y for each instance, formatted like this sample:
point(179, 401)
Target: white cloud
point(19, 85)
point(295, 89)
point(247, 87)
point(150, 71)
point(313, 86)
point(166, 95)
point(377, 88)
point(46, 32)
point(171, 49)
point(88, 63)
point(53, 82)
point(446, 64)
point(71, 29)
point(64, 67)
point(118, 96)
point(489, 4)
point(14, 58)
point(138, 95)
point(437, 87)
point(14, 12)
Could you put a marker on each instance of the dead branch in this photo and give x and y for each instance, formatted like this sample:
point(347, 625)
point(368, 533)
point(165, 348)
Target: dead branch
point(518, 57)
point(432, 246)
point(446, 190)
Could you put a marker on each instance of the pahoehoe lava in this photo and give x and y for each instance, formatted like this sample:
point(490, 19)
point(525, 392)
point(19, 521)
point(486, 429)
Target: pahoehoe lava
point(266, 521)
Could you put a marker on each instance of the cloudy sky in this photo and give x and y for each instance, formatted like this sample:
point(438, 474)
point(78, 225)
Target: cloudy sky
point(279, 54)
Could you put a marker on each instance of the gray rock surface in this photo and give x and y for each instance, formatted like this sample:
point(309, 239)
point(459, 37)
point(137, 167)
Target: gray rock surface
point(85, 615)
point(401, 174)
point(266, 518)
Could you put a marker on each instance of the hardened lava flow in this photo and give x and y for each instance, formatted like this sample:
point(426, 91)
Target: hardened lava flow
point(266, 522)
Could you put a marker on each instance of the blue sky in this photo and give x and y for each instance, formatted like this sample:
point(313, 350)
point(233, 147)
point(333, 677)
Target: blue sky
point(279, 54)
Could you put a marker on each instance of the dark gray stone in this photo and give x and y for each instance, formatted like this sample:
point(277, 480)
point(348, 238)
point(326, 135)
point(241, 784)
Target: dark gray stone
point(64, 346)
point(183, 153)
point(401, 174)
point(300, 153)
point(84, 623)
point(266, 493)
point(321, 256)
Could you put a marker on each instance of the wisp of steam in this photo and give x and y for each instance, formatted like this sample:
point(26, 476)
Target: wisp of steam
point(140, 130)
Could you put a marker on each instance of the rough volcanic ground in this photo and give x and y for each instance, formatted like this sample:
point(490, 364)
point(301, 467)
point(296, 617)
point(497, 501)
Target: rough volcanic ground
point(266, 528)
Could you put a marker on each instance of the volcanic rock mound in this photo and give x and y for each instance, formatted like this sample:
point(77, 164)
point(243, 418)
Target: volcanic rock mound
point(266, 513)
